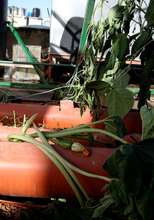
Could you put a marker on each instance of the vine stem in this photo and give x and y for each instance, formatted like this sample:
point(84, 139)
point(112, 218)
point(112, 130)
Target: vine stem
point(65, 167)
point(29, 139)
point(74, 131)
point(44, 141)
point(58, 162)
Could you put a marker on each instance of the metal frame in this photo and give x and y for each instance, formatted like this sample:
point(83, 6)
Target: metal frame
point(33, 62)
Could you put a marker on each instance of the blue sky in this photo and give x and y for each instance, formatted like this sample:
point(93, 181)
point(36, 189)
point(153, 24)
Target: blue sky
point(30, 4)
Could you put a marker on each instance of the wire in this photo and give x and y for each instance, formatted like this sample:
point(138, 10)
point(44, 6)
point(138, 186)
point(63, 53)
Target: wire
point(39, 93)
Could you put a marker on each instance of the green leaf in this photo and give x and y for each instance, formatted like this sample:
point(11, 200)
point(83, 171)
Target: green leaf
point(140, 42)
point(110, 60)
point(115, 125)
point(149, 16)
point(145, 152)
point(129, 209)
point(118, 193)
point(144, 204)
point(123, 79)
point(28, 123)
point(112, 164)
point(98, 85)
point(147, 116)
point(105, 203)
point(131, 176)
point(119, 102)
point(115, 16)
point(120, 46)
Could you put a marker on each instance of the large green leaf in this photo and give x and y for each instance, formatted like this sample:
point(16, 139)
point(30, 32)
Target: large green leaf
point(105, 203)
point(98, 85)
point(119, 102)
point(147, 116)
point(122, 79)
point(145, 152)
point(112, 164)
point(140, 42)
point(120, 46)
point(115, 16)
point(116, 126)
point(150, 13)
point(132, 175)
point(125, 165)
point(117, 190)
point(144, 204)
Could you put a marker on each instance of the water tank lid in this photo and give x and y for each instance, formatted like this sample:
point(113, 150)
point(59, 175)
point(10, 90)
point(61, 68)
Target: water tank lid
point(36, 12)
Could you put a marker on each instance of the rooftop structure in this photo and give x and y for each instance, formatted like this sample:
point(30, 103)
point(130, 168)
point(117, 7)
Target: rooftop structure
point(21, 17)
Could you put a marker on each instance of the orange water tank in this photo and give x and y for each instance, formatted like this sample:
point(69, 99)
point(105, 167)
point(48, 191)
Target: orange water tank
point(25, 171)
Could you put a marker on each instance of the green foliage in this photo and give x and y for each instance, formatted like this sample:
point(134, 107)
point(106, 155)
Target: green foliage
point(98, 85)
point(150, 13)
point(147, 116)
point(115, 125)
point(140, 42)
point(104, 204)
point(119, 101)
point(95, 80)
point(132, 188)
point(120, 46)
point(111, 38)
point(115, 17)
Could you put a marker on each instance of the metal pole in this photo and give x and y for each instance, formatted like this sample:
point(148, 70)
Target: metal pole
point(86, 23)
point(30, 57)
point(3, 29)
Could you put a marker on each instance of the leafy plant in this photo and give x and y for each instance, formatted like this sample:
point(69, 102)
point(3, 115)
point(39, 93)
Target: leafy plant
point(147, 116)
point(96, 82)
point(131, 192)
point(66, 168)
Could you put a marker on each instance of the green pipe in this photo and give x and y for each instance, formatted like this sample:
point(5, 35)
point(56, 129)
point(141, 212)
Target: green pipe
point(28, 54)
point(20, 85)
point(86, 23)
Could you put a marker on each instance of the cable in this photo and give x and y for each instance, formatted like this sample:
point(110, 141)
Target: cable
point(39, 93)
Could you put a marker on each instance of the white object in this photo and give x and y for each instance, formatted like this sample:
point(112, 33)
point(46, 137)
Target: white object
point(66, 9)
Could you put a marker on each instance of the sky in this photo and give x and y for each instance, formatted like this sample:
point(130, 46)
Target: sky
point(30, 4)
